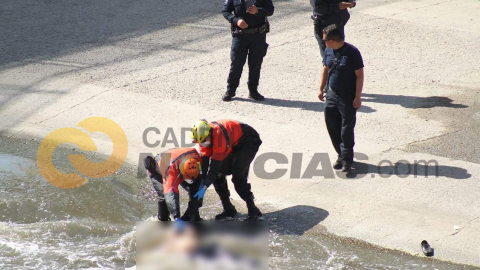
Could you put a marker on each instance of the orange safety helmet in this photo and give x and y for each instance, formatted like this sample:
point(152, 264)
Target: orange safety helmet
point(190, 169)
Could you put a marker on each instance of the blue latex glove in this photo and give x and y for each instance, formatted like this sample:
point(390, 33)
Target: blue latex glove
point(179, 225)
point(201, 192)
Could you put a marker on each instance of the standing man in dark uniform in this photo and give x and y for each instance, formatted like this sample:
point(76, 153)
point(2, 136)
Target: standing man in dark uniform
point(327, 12)
point(249, 26)
point(342, 77)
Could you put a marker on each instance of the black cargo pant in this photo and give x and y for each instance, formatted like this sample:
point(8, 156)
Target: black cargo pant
point(237, 164)
point(163, 213)
point(340, 118)
point(253, 45)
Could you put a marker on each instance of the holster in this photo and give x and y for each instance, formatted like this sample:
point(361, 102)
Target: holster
point(317, 19)
point(236, 31)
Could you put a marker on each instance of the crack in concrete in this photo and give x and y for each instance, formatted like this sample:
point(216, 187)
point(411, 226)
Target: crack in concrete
point(459, 230)
point(74, 106)
point(455, 232)
point(434, 137)
point(449, 235)
point(166, 74)
point(470, 221)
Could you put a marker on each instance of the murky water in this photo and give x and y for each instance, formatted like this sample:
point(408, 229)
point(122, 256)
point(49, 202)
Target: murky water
point(93, 226)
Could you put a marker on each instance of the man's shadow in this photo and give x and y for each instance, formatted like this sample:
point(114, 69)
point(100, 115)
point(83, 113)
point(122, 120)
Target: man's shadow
point(403, 170)
point(413, 102)
point(295, 220)
point(316, 106)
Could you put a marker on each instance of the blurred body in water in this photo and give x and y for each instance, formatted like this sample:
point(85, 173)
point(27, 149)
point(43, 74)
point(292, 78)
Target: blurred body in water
point(203, 246)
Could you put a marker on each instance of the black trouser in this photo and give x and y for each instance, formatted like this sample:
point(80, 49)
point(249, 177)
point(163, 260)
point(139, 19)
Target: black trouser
point(253, 45)
point(318, 31)
point(193, 205)
point(163, 213)
point(192, 213)
point(340, 118)
point(238, 164)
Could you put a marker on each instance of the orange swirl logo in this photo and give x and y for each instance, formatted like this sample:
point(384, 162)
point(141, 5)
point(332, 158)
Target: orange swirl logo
point(85, 143)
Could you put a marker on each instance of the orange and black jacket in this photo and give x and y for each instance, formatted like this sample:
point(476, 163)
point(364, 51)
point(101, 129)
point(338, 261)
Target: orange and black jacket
point(226, 136)
point(168, 164)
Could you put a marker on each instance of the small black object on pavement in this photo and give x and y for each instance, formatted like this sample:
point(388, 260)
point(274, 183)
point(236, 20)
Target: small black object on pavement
point(427, 250)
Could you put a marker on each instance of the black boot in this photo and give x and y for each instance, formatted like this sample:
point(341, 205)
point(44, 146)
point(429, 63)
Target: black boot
point(192, 216)
point(192, 213)
point(337, 165)
point(196, 210)
point(254, 93)
point(163, 214)
point(230, 93)
point(228, 96)
point(346, 167)
point(256, 96)
point(229, 211)
point(253, 211)
point(196, 216)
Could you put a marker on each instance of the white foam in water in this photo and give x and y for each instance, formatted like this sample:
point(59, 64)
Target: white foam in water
point(14, 164)
point(22, 248)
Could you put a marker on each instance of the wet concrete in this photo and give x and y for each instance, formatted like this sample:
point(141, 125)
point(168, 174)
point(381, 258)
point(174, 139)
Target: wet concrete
point(461, 117)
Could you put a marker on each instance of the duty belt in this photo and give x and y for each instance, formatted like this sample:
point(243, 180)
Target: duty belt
point(257, 30)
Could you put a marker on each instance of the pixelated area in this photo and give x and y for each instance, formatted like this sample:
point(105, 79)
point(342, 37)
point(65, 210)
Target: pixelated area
point(202, 245)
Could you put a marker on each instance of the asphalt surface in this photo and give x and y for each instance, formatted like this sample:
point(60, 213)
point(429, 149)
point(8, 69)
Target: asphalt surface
point(165, 64)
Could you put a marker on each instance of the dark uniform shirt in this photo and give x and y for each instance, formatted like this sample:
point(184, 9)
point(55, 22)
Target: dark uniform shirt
point(343, 78)
point(329, 10)
point(265, 8)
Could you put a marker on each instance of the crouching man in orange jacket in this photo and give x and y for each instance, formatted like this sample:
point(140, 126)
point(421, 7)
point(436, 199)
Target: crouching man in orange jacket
point(168, 170)
point(227, 148)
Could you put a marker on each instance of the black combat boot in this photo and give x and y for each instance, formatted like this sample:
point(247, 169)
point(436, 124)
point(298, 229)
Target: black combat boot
point(196, 216)
point(257, 96)
point(163, 214)
point(253, 211)
point(228, 96)
point(346, 167)
point(192, 213)
point(337, 165)
point(254, 93)
point(229, 211)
